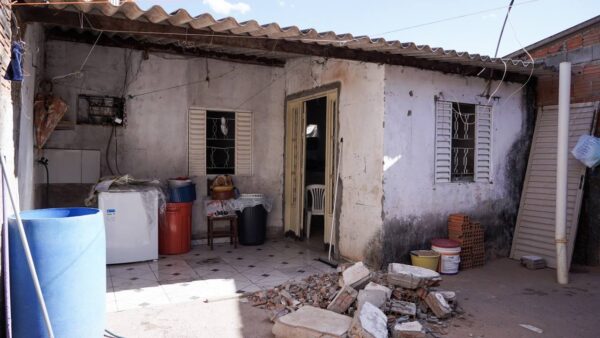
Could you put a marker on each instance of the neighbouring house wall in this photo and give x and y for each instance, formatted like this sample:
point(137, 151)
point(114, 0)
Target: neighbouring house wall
point(163, 87)
point(33, 66)
point(582, 49)
point(415, 209)
point(361, 126)
point(6, 129)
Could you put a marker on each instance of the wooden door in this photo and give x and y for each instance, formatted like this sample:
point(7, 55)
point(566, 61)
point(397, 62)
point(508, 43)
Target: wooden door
point(295, 125)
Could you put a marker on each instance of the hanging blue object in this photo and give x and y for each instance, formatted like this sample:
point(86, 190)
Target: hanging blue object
point(14, 72)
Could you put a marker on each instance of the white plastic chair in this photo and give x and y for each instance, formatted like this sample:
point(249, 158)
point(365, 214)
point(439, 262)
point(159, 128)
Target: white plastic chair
point(317, 207)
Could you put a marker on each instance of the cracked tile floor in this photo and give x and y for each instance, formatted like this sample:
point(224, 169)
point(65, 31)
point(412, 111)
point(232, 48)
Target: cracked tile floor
point(205, 274)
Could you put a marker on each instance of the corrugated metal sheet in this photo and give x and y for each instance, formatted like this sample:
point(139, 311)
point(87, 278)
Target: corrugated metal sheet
point(534, 232)
point(205, 22)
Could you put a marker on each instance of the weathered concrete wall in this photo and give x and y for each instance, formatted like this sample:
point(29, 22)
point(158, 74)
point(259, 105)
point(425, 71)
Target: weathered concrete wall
point(33, 66)
point(7, 147)
point(154, 143)
point(361, 126)
point(415, 209)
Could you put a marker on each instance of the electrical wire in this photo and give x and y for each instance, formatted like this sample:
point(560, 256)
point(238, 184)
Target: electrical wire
point(489, 83)
point(530, 57)
point(106, 152)
point(46, 3)
point(60, 77)
point(499, 84)
point(452, 18)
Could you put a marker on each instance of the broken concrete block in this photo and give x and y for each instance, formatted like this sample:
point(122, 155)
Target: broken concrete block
point(375, 286)
point(438, 304)
point(369, 322)
point(449, 296)
point(408, 330)
point(375, 297)
point(342, 301)
point(411, 277)
point(312, 322)
point(357, 276)
point(403, 308)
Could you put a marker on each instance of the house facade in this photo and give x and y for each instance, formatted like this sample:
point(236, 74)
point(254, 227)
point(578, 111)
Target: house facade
point(426, 132)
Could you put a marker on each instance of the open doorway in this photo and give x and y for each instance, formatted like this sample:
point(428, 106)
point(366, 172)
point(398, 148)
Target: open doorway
point(314, 172)
point(310, 159)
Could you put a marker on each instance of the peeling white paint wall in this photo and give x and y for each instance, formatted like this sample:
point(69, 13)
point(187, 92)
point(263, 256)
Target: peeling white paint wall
point(154, 143)
point(361, 125)
point(409, 140)
point(33, 67)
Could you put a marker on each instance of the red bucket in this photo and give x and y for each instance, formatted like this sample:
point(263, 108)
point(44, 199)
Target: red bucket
point(175, 235)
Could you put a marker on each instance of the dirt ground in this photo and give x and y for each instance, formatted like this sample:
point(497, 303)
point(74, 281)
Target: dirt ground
point(496, 298)
point(502, 294)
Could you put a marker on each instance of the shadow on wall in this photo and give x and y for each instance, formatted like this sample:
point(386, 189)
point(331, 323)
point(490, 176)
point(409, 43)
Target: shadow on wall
point(498, 217)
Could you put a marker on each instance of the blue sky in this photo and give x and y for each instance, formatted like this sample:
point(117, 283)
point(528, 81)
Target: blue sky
point(530, 20)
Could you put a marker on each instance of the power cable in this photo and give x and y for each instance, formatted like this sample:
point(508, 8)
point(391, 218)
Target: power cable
point(452, 18)
point(489, 83)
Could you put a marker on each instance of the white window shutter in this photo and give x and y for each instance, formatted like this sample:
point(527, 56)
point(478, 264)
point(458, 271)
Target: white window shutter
point(197, 142)
point(243, 143)
point(443, 141)
point(483, 143)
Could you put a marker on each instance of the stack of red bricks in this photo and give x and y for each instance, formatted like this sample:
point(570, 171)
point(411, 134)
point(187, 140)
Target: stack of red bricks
point(470, 236)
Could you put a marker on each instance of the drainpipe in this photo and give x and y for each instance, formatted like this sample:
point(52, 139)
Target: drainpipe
point(564, 101)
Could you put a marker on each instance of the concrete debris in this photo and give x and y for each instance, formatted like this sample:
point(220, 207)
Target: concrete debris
point(375, 286)
point(438, 304)
point(375, 297)
point(408, 330)
point(449, 296)
point(532, 328)
point(369, 322)
point(403, 308)
point(411, 277)
point(357, 276)
point(310, 321)
point(329, 294)
point(343, 300)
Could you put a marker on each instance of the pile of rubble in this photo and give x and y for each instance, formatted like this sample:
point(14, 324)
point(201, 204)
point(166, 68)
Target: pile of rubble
point(403, 302)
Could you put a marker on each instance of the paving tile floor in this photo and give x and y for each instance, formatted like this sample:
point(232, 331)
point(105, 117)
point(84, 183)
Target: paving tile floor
point(205, 274)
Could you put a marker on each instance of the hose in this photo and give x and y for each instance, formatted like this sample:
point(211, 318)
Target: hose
point(44, 161)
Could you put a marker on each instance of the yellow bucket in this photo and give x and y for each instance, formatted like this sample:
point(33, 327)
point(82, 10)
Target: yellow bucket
point(428, 259)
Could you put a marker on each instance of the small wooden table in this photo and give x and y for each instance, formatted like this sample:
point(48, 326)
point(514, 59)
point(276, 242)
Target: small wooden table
point(232, 233)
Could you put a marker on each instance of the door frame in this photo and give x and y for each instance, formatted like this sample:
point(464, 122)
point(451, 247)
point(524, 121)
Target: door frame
point(294, 214)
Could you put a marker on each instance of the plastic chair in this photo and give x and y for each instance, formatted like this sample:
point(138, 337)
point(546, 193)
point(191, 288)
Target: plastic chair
point(317, 207)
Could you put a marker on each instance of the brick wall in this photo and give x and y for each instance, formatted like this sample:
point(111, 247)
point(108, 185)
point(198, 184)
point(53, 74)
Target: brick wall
point(582, 48)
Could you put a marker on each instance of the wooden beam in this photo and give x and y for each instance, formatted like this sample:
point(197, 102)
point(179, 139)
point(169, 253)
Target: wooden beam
point(89, 37)
point(73, 19)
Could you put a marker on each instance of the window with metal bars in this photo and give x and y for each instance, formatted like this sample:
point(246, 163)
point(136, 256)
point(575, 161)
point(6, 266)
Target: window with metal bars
point(463, 143)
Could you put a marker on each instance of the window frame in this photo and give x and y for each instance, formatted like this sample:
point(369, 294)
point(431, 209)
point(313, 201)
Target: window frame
point(483, 159)
point(239, 170)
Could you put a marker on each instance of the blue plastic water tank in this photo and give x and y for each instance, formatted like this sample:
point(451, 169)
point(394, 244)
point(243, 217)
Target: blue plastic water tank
point(69, 251)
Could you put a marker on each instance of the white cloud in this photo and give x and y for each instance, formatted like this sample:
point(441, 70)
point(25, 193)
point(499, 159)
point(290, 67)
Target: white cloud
point(226, 7)
point(282, 3)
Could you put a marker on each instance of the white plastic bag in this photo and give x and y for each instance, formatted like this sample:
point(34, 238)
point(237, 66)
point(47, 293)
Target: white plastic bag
point(587, 150)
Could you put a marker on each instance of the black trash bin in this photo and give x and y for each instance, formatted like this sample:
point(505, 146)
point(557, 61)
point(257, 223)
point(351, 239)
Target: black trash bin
point(252, 223)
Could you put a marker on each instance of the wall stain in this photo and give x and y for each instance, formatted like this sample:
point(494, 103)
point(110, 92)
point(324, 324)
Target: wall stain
point(498, 217)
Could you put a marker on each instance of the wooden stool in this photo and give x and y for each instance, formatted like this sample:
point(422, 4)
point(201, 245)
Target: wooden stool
point(232, 233)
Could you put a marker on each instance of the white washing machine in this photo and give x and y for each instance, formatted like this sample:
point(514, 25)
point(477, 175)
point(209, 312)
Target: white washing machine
point(131, 223)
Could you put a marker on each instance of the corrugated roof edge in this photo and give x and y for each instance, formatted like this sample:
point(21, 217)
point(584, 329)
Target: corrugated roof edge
point(181, 18)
